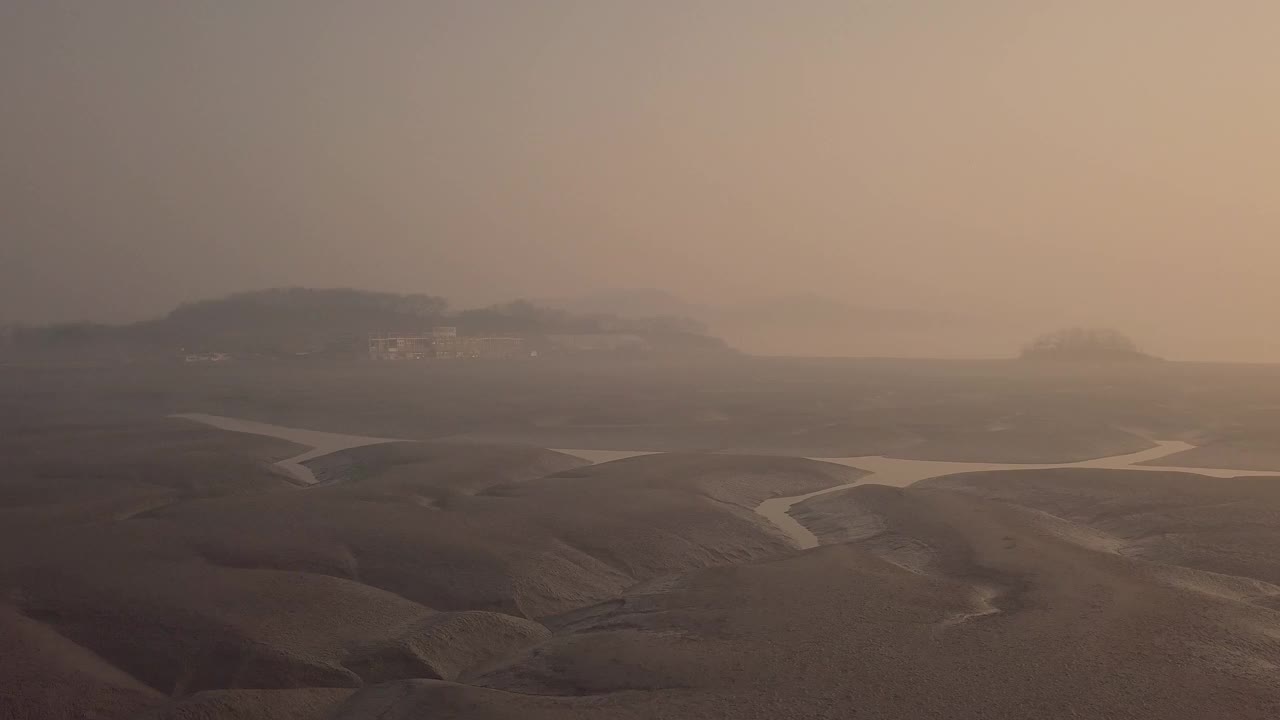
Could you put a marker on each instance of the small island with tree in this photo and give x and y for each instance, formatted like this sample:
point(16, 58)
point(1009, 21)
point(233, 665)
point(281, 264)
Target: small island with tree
point(1093, 345)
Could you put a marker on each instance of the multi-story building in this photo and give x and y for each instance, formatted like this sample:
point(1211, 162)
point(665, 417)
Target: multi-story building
point(443, 343)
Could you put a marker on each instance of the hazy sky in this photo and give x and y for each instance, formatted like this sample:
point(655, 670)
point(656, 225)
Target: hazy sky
point(1108, 160)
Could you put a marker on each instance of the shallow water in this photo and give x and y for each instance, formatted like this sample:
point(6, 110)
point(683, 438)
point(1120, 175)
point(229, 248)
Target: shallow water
point(326, 443)
point(595, 457)
point(321, 443)
point(883, 470)
point(901, 473)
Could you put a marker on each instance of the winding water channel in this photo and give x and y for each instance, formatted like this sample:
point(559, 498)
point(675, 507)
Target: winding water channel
point(881, 470)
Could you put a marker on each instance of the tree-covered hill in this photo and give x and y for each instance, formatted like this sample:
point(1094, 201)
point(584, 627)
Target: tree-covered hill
point(331, 321)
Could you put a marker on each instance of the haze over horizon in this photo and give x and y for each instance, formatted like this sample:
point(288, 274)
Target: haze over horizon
point(1019, 164)
point(623, 359)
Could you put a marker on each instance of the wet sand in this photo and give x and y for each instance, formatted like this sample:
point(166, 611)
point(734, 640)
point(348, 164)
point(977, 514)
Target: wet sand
point(901, 473)
point(595, 457)
point(321, 443)
point(326, 443)
point(490, 582)
point(883, 470)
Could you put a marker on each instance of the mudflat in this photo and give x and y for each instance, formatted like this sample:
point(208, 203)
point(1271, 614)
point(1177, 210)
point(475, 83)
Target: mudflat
point(160, 567)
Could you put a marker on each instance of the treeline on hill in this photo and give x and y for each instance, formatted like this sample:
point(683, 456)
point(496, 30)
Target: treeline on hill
point(330, 322)
point(1085, 345)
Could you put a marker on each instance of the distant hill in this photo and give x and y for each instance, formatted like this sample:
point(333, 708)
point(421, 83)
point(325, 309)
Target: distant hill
point(290, 320)
point(333, 322)
point(1091, 345)
point(790, 325)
